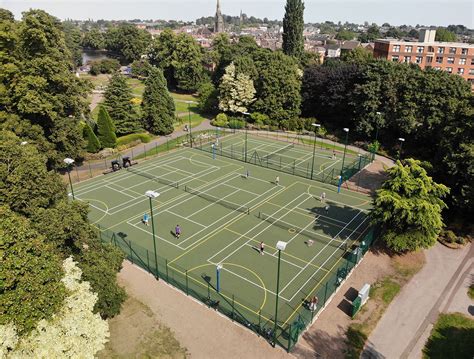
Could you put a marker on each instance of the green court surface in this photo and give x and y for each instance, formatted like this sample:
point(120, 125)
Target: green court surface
point(224, 215)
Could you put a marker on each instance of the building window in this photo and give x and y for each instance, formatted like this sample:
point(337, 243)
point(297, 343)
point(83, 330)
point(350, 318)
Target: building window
point(450, 60)
point(439, 59)
point(472, 61)
point(407, 59)
point(430, 49)
point(395, 58)
point(440, 50)
point(471, 71)
point(452, 50)
point(419, 59)
point(462, 61)
point(449, 69)
point(463, 51)
point(408, 48)
point(429, 59)
point(420, 49)
point(460, 71)
point(396, 48)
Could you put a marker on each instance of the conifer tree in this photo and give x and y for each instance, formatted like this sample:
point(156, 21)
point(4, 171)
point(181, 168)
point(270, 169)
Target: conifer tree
point(157, 105)
point(293, 25)
point(93, 143)
point(118, 101)
point(106, 129)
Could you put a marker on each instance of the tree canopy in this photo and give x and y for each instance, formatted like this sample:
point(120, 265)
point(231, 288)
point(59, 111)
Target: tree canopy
point(128, 41)
point(408, 206)
point(293, 26)
point(236, 91)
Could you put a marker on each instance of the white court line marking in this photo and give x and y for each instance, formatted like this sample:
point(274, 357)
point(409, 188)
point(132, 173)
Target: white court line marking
point(119, 191)
point(298, 233)
point(274, 256)
point(317, 254)
point(325, 169)
point(186, 218)
point(214, 203)
point(157, 236)
point(240, 189)
point(253, 237)
point(329, 258)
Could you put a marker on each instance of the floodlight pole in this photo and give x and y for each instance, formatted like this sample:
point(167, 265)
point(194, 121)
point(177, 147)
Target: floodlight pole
point(151, 195)
point(245, 124)
point(69, 162)
point(281, 246)
point(316, 125)
point(401, 146)
point(377, 126)
point(345, 148)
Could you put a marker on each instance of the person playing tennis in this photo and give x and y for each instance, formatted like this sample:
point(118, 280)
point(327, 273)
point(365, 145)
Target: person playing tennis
point(177, 231)
point(146, 218)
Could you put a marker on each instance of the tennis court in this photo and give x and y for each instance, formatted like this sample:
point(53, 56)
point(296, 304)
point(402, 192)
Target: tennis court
point(224, 216)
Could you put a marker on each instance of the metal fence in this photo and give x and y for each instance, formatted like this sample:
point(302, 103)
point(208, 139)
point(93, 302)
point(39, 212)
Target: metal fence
point(235, 307)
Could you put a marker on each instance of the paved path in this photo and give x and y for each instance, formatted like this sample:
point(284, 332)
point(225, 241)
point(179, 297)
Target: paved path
point(405, 326)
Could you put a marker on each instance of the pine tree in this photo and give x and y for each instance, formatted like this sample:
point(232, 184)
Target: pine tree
point(93, 143)
point(118, 101)
point(293, 25)
point(106, 129)
point(157, 105)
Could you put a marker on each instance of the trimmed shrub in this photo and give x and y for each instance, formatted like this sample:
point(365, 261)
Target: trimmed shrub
point(106, 129)
point(133, 137)
point(93, 143)
point(221, 120)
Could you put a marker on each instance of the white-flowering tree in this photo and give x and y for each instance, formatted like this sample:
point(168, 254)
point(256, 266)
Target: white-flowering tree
point(236, 91)
point(73, 332)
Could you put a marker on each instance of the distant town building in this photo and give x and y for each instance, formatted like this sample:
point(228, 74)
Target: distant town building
point(453, 57)
point(219, 20)
point(333, 50)
point(348, 46)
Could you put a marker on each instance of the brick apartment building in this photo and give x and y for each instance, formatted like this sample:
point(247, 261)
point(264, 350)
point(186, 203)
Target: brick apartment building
point(453, 57)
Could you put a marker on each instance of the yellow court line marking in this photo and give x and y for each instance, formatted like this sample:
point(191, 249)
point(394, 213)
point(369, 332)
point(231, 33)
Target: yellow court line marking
point(97, 200)
point(319, 283)
point(339, 194)
point(237, 218)
point(269, 246)
point(225, 296)
point(321, 167)
point(264, 288)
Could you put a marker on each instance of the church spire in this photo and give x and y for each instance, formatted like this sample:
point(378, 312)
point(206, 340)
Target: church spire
point(219, 20)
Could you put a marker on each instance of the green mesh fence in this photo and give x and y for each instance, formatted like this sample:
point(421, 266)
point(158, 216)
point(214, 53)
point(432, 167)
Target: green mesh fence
point(236, 308)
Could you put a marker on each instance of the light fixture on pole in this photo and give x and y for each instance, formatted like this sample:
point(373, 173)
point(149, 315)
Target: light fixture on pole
point(218, 277)
point(401, 139)
point(151, 195)
point(316, 126)
point(346, 130)
point(379, 115)
point(246, 114)
point(281, 247)
point(189, 121)
point(69, 161)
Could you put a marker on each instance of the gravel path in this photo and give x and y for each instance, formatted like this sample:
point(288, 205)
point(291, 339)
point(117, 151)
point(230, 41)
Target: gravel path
point(403, 330)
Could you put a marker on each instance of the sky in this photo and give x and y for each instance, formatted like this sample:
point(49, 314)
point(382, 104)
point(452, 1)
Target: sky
point(395, 12)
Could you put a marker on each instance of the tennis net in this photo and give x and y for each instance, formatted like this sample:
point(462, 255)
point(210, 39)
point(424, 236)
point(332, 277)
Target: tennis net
point(154, 178)
point(227, 204)
point(337, 243)
point(280, 150)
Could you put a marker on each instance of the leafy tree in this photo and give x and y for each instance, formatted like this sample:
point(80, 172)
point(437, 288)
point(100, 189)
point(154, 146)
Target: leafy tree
point(293, 26)
point(118, 102)
point(93, 39)
point(104, 66)
point(278, 86)
point(408, 206)
point(161, 54)
point(208, 98)
point(358, 55)
point(413, 33)
point(93, 143)
point(187, 63)
point(74, 329)
point(30, 274)
point(345, 35)
point(127, 40)
point(43, 90)
point(221, 120)
point(372, 34)
point(236, 91)
point(141, 68)
point(106, 129)
point(73, 42)
point(445, 35)
point(394, 33)
point(157, 105)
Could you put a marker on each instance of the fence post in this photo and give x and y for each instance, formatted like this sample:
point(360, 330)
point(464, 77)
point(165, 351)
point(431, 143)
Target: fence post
point(156, 148)
point(100, 232)
point(325, 293)
point(90, 169)
point(289, 338)
point(144, 150)
point(187, 288)
point(232, 308)
point(294, 164)
point(105, 163)
point(147, 260)
point(131, 253)
point(167, 277)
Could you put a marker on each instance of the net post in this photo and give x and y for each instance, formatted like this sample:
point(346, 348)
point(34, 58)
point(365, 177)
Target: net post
point(187, 286)
point(167, 276)
point(232, 308)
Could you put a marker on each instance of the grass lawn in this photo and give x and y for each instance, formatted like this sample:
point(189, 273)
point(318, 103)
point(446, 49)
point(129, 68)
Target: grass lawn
point(137, 87)
point(470, 292)
point(99, 80)
point(196, 120)
point(183, 97)
point(451, 337)
point(327, 146)
point(182, 107)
